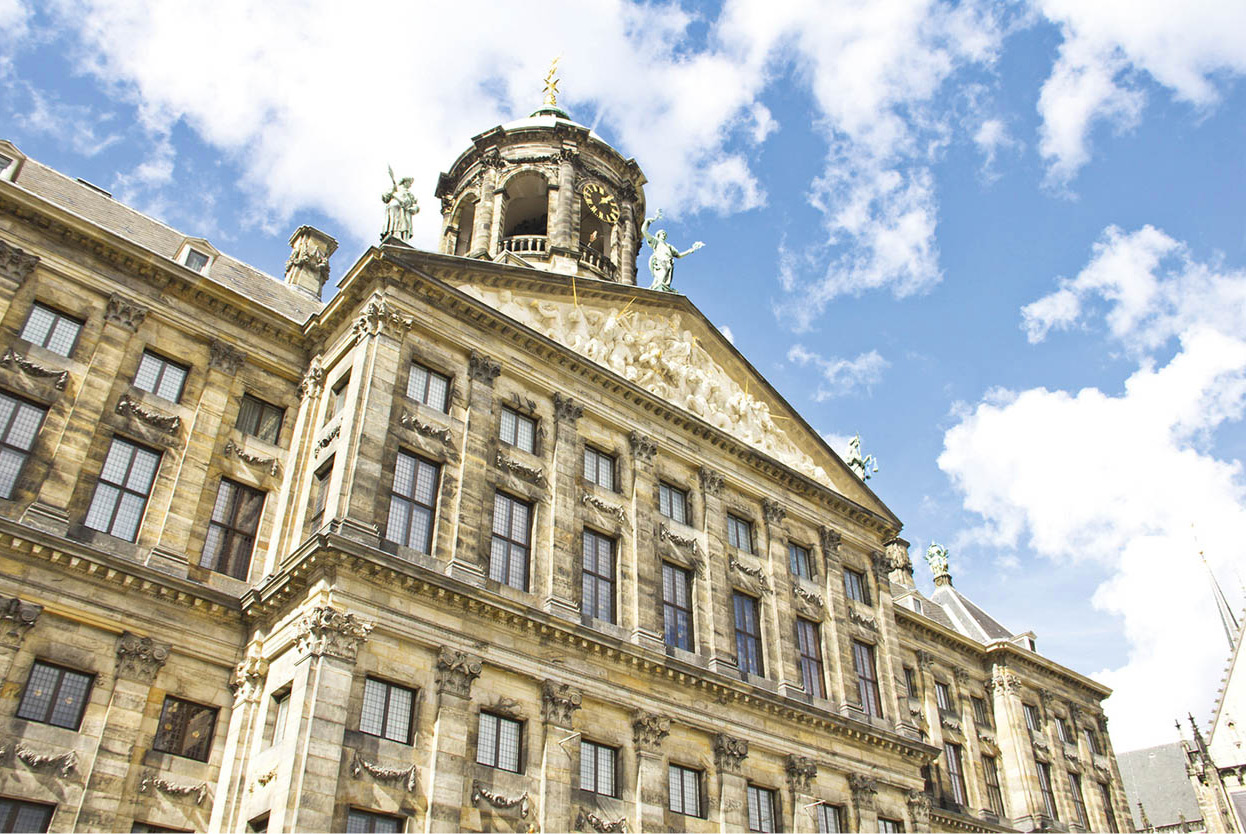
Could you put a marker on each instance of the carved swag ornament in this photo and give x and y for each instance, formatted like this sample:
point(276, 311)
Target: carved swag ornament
point(456, 671)
point(272, 465)
point(497, 800)
point(13, 359)
point(616, 512)
point(324, 630)
point(411, 422)
point(140, 658)
point(532, 474)
point(152, 781)
point(167, 423)
point(729, 752)
point(407, 776)
point(559, 703)
point(590, 819)
point(64, 763)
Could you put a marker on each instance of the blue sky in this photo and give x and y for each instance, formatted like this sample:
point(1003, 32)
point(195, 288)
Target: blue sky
point(1002, 241)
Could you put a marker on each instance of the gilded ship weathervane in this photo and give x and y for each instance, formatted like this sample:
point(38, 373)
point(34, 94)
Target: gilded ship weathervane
point(551, 84)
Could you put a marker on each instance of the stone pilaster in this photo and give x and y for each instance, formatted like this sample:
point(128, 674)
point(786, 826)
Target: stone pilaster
point(840, 674)
point(482, 233)
point(800, 772)
point(456, 671)
point(729, 756)
point(469, 559)
point(247, 684)
point(559, 594)
point(919, 810)
point(864, 793)
point(1024, 802)
point(292, 499)
point(560, 233)
point(645, 596)
point(779, 635)
point(627, 243)
point(714, 597)
point(559, 703)
point(649, 730)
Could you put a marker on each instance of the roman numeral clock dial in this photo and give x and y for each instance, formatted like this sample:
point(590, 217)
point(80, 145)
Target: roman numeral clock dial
point(601, 203)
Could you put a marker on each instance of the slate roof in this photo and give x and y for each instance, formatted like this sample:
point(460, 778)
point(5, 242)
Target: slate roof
point(1157, 776)
point(96, 207)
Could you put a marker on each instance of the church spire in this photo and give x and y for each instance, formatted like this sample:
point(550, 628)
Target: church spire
point(1227, 619)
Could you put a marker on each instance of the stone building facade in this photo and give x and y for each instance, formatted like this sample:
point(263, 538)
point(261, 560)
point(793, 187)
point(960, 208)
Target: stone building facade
point(492, 539)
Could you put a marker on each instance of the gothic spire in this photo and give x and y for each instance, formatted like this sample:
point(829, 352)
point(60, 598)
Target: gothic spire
point(1227, 619)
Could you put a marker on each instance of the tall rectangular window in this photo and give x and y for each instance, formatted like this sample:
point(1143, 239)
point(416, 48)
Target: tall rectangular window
point(889, 826)
point(1106, 793)
point(867, 678)
point(747, 635)
point(761, 809)
point(994, 796)
point(673, 502)
point(1079, 801)
point(598, 468)
point(55, 695)
point(160, 376)
point(259, 419)
point(597, 768)
point(739, 533)
point(124, 486)
point(387, 710)
point(368, 822)
point(185, 729)
point(281, 714)
point(955, 772)
point(910, 681)
point(337, 397)
point(943, 695)
point(51, 329)
point(980, 712)
point(685, 790)
point(17, 815)
point(426, 386)
point(597, 577)
point(1033, 720)
point(677, 606)
point(809, 641)
point(1044, 787)
point(798, 559)
point(413, 502)
point(20, 422)
point(855, 586)
point(517, 430)
point(320, 493)
point(830, 819)
point(1092, 741)
point(498, 742)
point(508, 550)
point(231, 531)
point(1062, 730)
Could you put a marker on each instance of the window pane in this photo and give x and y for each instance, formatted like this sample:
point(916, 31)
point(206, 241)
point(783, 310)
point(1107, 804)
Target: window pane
point(148, 373)
point(508, 744)
point(487, 740)
point(38, 325)
point(372, 716)
point(70, 700)
point(398, 723)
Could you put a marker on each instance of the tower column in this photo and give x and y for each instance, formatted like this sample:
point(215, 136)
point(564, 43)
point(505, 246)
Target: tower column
point(560, 234)
point(482, 232)
point(648, 732)
point(456, 671)
point(628, 243)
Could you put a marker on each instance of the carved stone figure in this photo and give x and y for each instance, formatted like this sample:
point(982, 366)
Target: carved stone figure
point(662, 261)
point(400, 208)
point(858, 464)
point(936, 557)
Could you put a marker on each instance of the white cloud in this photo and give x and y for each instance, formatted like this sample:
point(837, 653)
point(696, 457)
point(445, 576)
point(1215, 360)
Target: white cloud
point(992, 136)
point(840, 376)
point(1108, 44)
point(14, 17)
point(838, 443)
point(727, 334)
point(1117, 480)
point(75, 125)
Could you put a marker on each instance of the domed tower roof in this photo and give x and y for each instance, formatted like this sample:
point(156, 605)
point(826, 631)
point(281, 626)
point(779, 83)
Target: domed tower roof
point(546, 192)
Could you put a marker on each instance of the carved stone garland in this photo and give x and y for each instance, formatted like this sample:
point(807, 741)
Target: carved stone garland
point(809, 603)
point(497, 800)
point(456, 671)
point(167, 423)
point(729, 752)
point(411, 422)
point(140, 658)
point(271, 464)
point(533, 474)
point(324, 630)
point(66, 763)
point(559, 703)
point(408, 776)
point(587, 817)
point(15, 360)
point(324, 442)
point(649, 730)
point(750, 577)
point(588, 499)
point(153, 782)
point(687, 543)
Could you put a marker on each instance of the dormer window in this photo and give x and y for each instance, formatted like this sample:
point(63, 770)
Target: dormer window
point(196, 254)
point(11, 160)
point(196, 260)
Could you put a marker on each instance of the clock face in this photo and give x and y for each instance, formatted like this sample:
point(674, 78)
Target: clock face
point(600, 203)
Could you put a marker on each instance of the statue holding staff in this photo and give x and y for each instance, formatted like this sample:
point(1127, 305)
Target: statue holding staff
point(662, 261)
point(400, 208)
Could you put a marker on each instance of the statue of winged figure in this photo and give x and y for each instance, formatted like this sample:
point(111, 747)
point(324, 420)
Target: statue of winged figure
point(401, 207)
point(662, 261)
point(936, 557)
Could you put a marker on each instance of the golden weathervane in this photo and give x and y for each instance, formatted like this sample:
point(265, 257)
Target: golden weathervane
point(551, 84)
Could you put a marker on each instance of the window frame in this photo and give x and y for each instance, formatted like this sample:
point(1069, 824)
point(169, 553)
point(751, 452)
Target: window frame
point(867, 684)
point(603, 466)
point(1062, 730)
point(737, 526)
point(413, 504)
point(231, 531)
point(165, 364)
point(9, 821)
point(981, 712)
point(49, 712)
point(1033, 718)
point(388, 689)
point(994, 790)
point(828, 812)
point(180, 735)
point(122, 489)
point(501, 720)
point(953, 756)
point(320, 493)
point(371, 818)
point(1092, 740)
point(592, 582)
point(57, 317)
point(279, 703)
point(911, 688)
point(800, 561)
point(746, 640)
point(670, 491)
point(887, 825)
point(809, 657)
point(1046, 790)
point(672, 611)
point(19, 403)
point(943, 696)
point(683, 772)
point(423, 397)
point(1105, 792)
point(856, 586)
point(597, 751)
point(337, 398)
point(755, 794)
point(261, 408)
point(1079, 799)
point(519, 419)
point(511, 545)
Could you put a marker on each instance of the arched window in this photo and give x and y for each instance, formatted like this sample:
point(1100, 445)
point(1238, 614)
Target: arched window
point(526, 223)
point(466, 224)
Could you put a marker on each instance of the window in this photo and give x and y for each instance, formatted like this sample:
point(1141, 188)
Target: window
point(740, 533)
point(910, 681)
point(386, 710)
point(1093, 741)
point(508, 552)
point(799, 558)
point(518, 430)
point(258, 825)
point(994, 796)
point(855, 586)
point(597, 768)
point(955, 772)
point(677, 606)
point(426, 386)
point(123, 489)
point(1079, 801)
point(196, 260)
point(185, 729)
point(55, 695)
point(259, 419)
point(1044, 786)
point(231, 531)
point(20, 422)
point(809, 639)
point(980, 713)
point(673, 503)
point(867, 678)
point(413, 502)
point(498, 742)
point(1033, 720)
point(162, 377)
point(152, 828)
point(685, 790)
point(368, 822)
point(747, 635)
point(51, 329)
point(320, 493)
point(597, 577)
point(281, 714)
point(1062, 730)
point(889, 826)
point(337, 398)
point(598, 468)
point(16, 815)
point(761, 808)
point(1106, 793)
point(943, 695)
point(830, 818)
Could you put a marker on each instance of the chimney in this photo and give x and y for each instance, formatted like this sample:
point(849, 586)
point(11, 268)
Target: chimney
point(307, 269)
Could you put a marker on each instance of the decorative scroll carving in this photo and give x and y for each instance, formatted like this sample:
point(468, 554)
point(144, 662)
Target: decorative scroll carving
point(649, 730)
point(224, 357)
point(643, 446)
point(801, 771)
point(587, 817)
point(271, 464)
point(167, 423)
point(411, 422)
point(559, 703)
point(324, 630)
point(124, 312)
point(919, 809)
point(66, 763)
point(323, 443)
point(523, 404)
point(773, 511)
point(248, 677)
point(152, 781)
point(313, 380)
point(532, 474)
point(711, 481)
point(494, 160)
point(809, 603)
point(898, 555)
point(729, 752)
point(750, 577)
point(15, 264)
point(17, 618)
point(479, 792)
point(482, 368)
point(864, 790)
point(567, 409)
point(831, 540)
point(377, 315)
point(456, 671)
point(140, 658)
point(406, 775)
point(863, 620)
point(925, 659)
point(588, 499)
point(15, 360)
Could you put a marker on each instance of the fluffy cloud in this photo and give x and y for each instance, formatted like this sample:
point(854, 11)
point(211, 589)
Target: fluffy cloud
point(840, 376)
point(1118, 480)
point(1106, 47)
